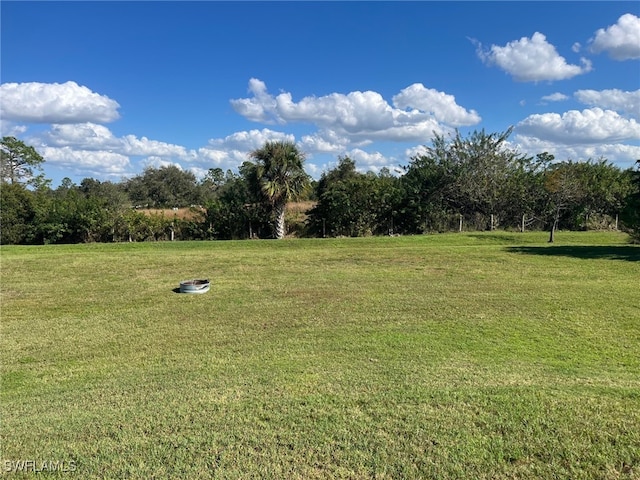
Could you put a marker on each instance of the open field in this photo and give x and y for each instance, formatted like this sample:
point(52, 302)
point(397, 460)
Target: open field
point(486, 355)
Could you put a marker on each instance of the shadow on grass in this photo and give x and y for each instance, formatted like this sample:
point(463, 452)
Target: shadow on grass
point(618, 252)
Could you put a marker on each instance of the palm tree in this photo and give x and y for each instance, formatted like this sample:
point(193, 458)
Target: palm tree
point(280, 177)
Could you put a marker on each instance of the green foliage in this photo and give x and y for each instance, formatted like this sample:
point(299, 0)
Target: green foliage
point(470, 183)
point(485, 171)
point(481, 176)
point(278, 174)
point(165, 187)
point(428, 186)
point(17, 214)
point(467, 176)
point(18, 162)
point(236, 212)
point(606, 187)
point(353, 204)
point(578, 191)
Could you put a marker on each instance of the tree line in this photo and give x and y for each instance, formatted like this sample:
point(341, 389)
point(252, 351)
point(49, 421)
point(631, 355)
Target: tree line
point(476, 182)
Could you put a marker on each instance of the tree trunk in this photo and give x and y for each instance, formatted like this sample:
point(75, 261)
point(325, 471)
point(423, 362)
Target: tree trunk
point(554, 225)
point(278, 209)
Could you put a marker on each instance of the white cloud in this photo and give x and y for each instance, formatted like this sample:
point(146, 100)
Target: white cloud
point(92, 149)
point(614, 99)
point(94, 162)
point(413, 132)
point(55, 103)
point(10, 129)
point(352, 113)
point(135, 146)
point(249, 140)
point(315, 170)
point(223, 158)
point(416, 151)
point(159, 162)
point(442, 106)
point(261, 107)
point(90, 136)
point(555, 97)
point(624, 155)
point(82, 136)
point(364, 161)
point(324, 142)
point(218, 158)
point(199, 172)
point(234, 149)
point(621, 40)
point(360, 116)
point(589, 126)
point(367, 159)
point(532, 60)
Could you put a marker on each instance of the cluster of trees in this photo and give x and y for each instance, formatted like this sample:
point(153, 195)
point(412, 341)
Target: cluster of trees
point(477, 182)
point(250, 203)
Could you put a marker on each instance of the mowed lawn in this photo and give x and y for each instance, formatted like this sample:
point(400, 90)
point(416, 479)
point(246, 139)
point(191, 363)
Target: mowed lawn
point(470, 356)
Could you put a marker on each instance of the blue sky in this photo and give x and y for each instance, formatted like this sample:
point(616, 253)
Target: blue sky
point(106, 89)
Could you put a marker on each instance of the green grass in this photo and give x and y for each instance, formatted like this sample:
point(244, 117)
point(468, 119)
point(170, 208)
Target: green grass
point(490, 355)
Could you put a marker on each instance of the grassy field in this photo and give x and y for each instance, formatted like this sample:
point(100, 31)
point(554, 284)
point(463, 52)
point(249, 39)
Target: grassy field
point(470, 356)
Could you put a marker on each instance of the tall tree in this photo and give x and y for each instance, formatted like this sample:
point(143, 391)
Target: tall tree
point(631, 213)
point(354, 204)
point(333, 213)
point(234, 210)
point(18, 161)
point(487, 167)
point(279, 175)
point(429, 189)
point(17, 212)
point(606, 188)
point(564, 189)
point(164, 187)
point(473, 175)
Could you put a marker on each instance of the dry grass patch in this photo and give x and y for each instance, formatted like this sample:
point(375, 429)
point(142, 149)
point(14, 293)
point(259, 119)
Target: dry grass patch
point(187, 213)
